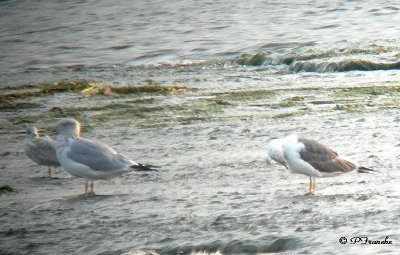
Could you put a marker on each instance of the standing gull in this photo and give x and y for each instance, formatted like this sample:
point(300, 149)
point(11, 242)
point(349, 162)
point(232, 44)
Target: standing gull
point(90, 159)
point(40, 149)
point(311, 158)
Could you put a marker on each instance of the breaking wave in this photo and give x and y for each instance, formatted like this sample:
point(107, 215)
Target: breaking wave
point(218, 247)
point(263, 245)
point(342, 66)
point(334, 60)
point(279, 59)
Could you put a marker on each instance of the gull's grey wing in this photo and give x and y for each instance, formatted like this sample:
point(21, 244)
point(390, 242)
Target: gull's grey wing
point(323, 158)
point(44, 151)
point(97, 156)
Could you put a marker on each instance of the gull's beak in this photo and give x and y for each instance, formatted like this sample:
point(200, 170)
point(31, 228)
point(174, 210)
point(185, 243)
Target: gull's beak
point(51, 131)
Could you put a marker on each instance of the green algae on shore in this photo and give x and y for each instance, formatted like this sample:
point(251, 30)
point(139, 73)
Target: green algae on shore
point(72, 86)
point(7, 189)
point(288, 114)
point(46, 89)
point(366, 91)
point(291, 101)
point(87, 87)
point(18, 95)
point(147, 89)
point(350, 107)
point(154, 105)
point(246, 95)
point(11, 105)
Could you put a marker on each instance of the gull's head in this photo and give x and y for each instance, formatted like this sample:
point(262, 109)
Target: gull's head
point(291, 142)
point(292, 138)
point(274, 145)
point(32, 132)
point(69, 126)
point(275, 151)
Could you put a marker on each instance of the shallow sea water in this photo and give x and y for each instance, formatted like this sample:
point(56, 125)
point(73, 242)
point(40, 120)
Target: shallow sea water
point(231, 200)
point(217, 192)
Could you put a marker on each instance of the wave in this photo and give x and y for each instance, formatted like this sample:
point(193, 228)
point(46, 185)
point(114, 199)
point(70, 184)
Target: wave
point(274, 58)
point(305, 54)
point(310, 63)
point(291, 64)
point(152, 252)
point(342, 66)
point(238, 247)
point(218, 247)
point(256, 59)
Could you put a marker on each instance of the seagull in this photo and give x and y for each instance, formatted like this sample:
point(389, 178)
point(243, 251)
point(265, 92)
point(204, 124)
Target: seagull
point(310, 158)
point(40, 150)
point(89, 159)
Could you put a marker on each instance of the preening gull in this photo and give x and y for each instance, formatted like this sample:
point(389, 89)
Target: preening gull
point(310, 158)
point(275, 152)
point(40, 150)
point(90, 159)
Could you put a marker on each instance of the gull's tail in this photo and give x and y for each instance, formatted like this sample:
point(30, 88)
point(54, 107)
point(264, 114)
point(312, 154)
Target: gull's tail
point(141, 167)
point(366, 170)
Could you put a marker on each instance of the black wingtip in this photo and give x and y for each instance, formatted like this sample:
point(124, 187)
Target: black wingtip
point(366, 170)
point(144, 168)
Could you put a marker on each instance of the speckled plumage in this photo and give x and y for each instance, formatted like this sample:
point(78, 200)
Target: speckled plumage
point(40, 150)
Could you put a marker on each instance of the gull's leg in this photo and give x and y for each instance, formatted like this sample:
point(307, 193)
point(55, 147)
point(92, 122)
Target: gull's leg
point(86, 187)
point(49, 172)
point(314, 186)
point(309, 188)
point(91, 187)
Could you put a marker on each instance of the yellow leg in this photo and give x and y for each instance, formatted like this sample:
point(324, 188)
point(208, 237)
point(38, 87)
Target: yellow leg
point(314, 186)
point(310, 188)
